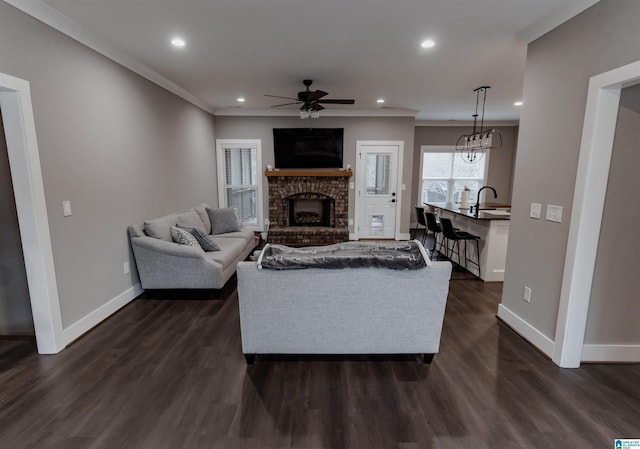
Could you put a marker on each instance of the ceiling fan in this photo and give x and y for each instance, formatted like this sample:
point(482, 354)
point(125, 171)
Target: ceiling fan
point(310, 100)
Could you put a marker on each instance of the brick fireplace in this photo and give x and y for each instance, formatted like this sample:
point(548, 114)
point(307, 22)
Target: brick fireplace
point(308, 207)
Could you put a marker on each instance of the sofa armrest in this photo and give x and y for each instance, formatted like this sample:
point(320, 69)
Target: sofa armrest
point(163, 264)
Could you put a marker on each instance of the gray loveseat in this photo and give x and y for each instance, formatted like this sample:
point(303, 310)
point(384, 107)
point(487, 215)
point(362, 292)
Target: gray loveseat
point(163, 264)
point(342, 311)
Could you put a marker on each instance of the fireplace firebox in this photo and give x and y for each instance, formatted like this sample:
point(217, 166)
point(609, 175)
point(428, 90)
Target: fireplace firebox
point(310, 212)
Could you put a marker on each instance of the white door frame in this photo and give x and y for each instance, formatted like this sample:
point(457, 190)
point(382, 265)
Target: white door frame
point(24, 163)
point(357, 202)
point(598, 133)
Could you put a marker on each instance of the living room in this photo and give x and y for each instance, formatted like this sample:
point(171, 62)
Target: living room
point(107, 140)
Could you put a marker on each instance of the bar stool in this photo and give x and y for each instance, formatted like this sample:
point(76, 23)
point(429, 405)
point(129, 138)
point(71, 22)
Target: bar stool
point(449, 233)
point(435, 228)
point(420, 216)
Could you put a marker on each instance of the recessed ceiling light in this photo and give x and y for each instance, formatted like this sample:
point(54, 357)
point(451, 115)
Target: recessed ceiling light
point(427, 44)
point(241, 100)
point(517, 103)
point(178, 42)
point(380, 100)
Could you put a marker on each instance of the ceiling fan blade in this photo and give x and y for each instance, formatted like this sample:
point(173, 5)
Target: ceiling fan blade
point(278, 96)
point(286, 104)
point(313, 96)
point(315, 106)
point(337, 101)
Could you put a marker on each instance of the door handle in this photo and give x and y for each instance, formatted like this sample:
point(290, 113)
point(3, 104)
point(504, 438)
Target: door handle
point(393, 200)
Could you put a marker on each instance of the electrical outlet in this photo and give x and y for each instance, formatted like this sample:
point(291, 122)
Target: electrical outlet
point(527, 294)
point(350, 221)
point(126, 268)
point(352, 185)
point(554, 213)
point(536, 210)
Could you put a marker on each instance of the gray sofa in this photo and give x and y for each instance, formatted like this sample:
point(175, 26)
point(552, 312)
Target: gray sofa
point(163, 264)
point(342, 311)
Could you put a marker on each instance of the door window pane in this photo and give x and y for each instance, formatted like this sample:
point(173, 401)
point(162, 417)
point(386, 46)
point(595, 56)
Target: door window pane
point(378, 174)
point(377, 224)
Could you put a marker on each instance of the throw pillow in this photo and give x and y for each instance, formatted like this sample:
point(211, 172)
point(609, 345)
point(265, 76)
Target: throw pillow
point(160, 228)
point(201, 210)
point(190, 219)
point(183, 237)
point(203, 239)
point(223, 220)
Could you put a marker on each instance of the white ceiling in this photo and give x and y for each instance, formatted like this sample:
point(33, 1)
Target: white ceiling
point(360, 49)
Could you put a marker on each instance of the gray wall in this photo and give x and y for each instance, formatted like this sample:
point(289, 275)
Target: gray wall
point(614, 307)
point(355, 128)
point(557, 73)
point(119, 147)
point(501, 161)
point(15, 308)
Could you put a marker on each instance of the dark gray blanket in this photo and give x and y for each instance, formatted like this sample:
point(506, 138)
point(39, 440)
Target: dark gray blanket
point(393, 255)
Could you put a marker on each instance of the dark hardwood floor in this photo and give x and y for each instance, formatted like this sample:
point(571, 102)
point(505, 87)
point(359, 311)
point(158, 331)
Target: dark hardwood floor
point(169, 373)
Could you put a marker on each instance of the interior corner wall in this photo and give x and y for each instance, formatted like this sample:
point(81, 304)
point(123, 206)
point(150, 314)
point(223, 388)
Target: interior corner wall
point(558, 68)
point(500, 170)
point(614, 307)
point(355, 128)
point(116, 145)
point(15, 308)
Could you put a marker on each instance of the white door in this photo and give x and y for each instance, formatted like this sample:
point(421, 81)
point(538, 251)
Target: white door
point(377, 196)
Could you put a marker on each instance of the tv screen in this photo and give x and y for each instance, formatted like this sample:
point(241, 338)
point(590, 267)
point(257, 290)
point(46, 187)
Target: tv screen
point(307, 147)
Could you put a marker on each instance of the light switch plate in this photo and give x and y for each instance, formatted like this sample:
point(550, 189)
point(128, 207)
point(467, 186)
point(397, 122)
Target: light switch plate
point(554, 213)
point(66, 208)
point(536, 210)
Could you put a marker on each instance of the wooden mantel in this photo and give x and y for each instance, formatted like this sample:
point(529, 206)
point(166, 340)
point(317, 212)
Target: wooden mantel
point(317, 173)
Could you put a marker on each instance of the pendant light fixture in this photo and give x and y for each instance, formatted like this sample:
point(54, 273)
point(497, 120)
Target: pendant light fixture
point(472, 146)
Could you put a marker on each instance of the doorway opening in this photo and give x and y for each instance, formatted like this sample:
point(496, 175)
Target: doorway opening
point(24, 163)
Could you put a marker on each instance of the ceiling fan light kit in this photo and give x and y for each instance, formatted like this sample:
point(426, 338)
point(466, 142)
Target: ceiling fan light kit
point(472, 146)
point(310, 101)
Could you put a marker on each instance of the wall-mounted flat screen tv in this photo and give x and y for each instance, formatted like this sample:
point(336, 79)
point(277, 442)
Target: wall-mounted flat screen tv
point(308, 147)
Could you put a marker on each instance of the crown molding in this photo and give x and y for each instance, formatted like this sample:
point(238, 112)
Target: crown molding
point(487, 123)
point(58, 21)
point(555, 18)
point(240, 111)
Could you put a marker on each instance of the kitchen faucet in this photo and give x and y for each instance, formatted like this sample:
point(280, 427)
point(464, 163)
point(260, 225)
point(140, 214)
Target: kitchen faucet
point(495, 195)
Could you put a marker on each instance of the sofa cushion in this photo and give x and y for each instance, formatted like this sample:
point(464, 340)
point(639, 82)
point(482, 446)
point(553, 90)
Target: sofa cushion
point(182, 237)
point(230, 250)
point(201, 210)
point(205, 241)
point(191, 219)
point(223, 220)
point(246, 234)
point(160, 228)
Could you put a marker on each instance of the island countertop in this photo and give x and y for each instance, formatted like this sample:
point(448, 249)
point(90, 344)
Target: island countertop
point(488, 211)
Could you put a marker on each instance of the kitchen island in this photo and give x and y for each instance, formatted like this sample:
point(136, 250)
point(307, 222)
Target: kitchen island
point(491, 225)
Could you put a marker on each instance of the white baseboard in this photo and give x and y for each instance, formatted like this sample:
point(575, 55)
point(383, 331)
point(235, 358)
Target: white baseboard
point(103, 312)
point(611, 353)
point(352, 236)
point(526, 331)
point(404, 236)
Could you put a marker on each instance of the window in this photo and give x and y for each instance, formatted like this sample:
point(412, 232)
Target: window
point(239, 182)
point(445, 175)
